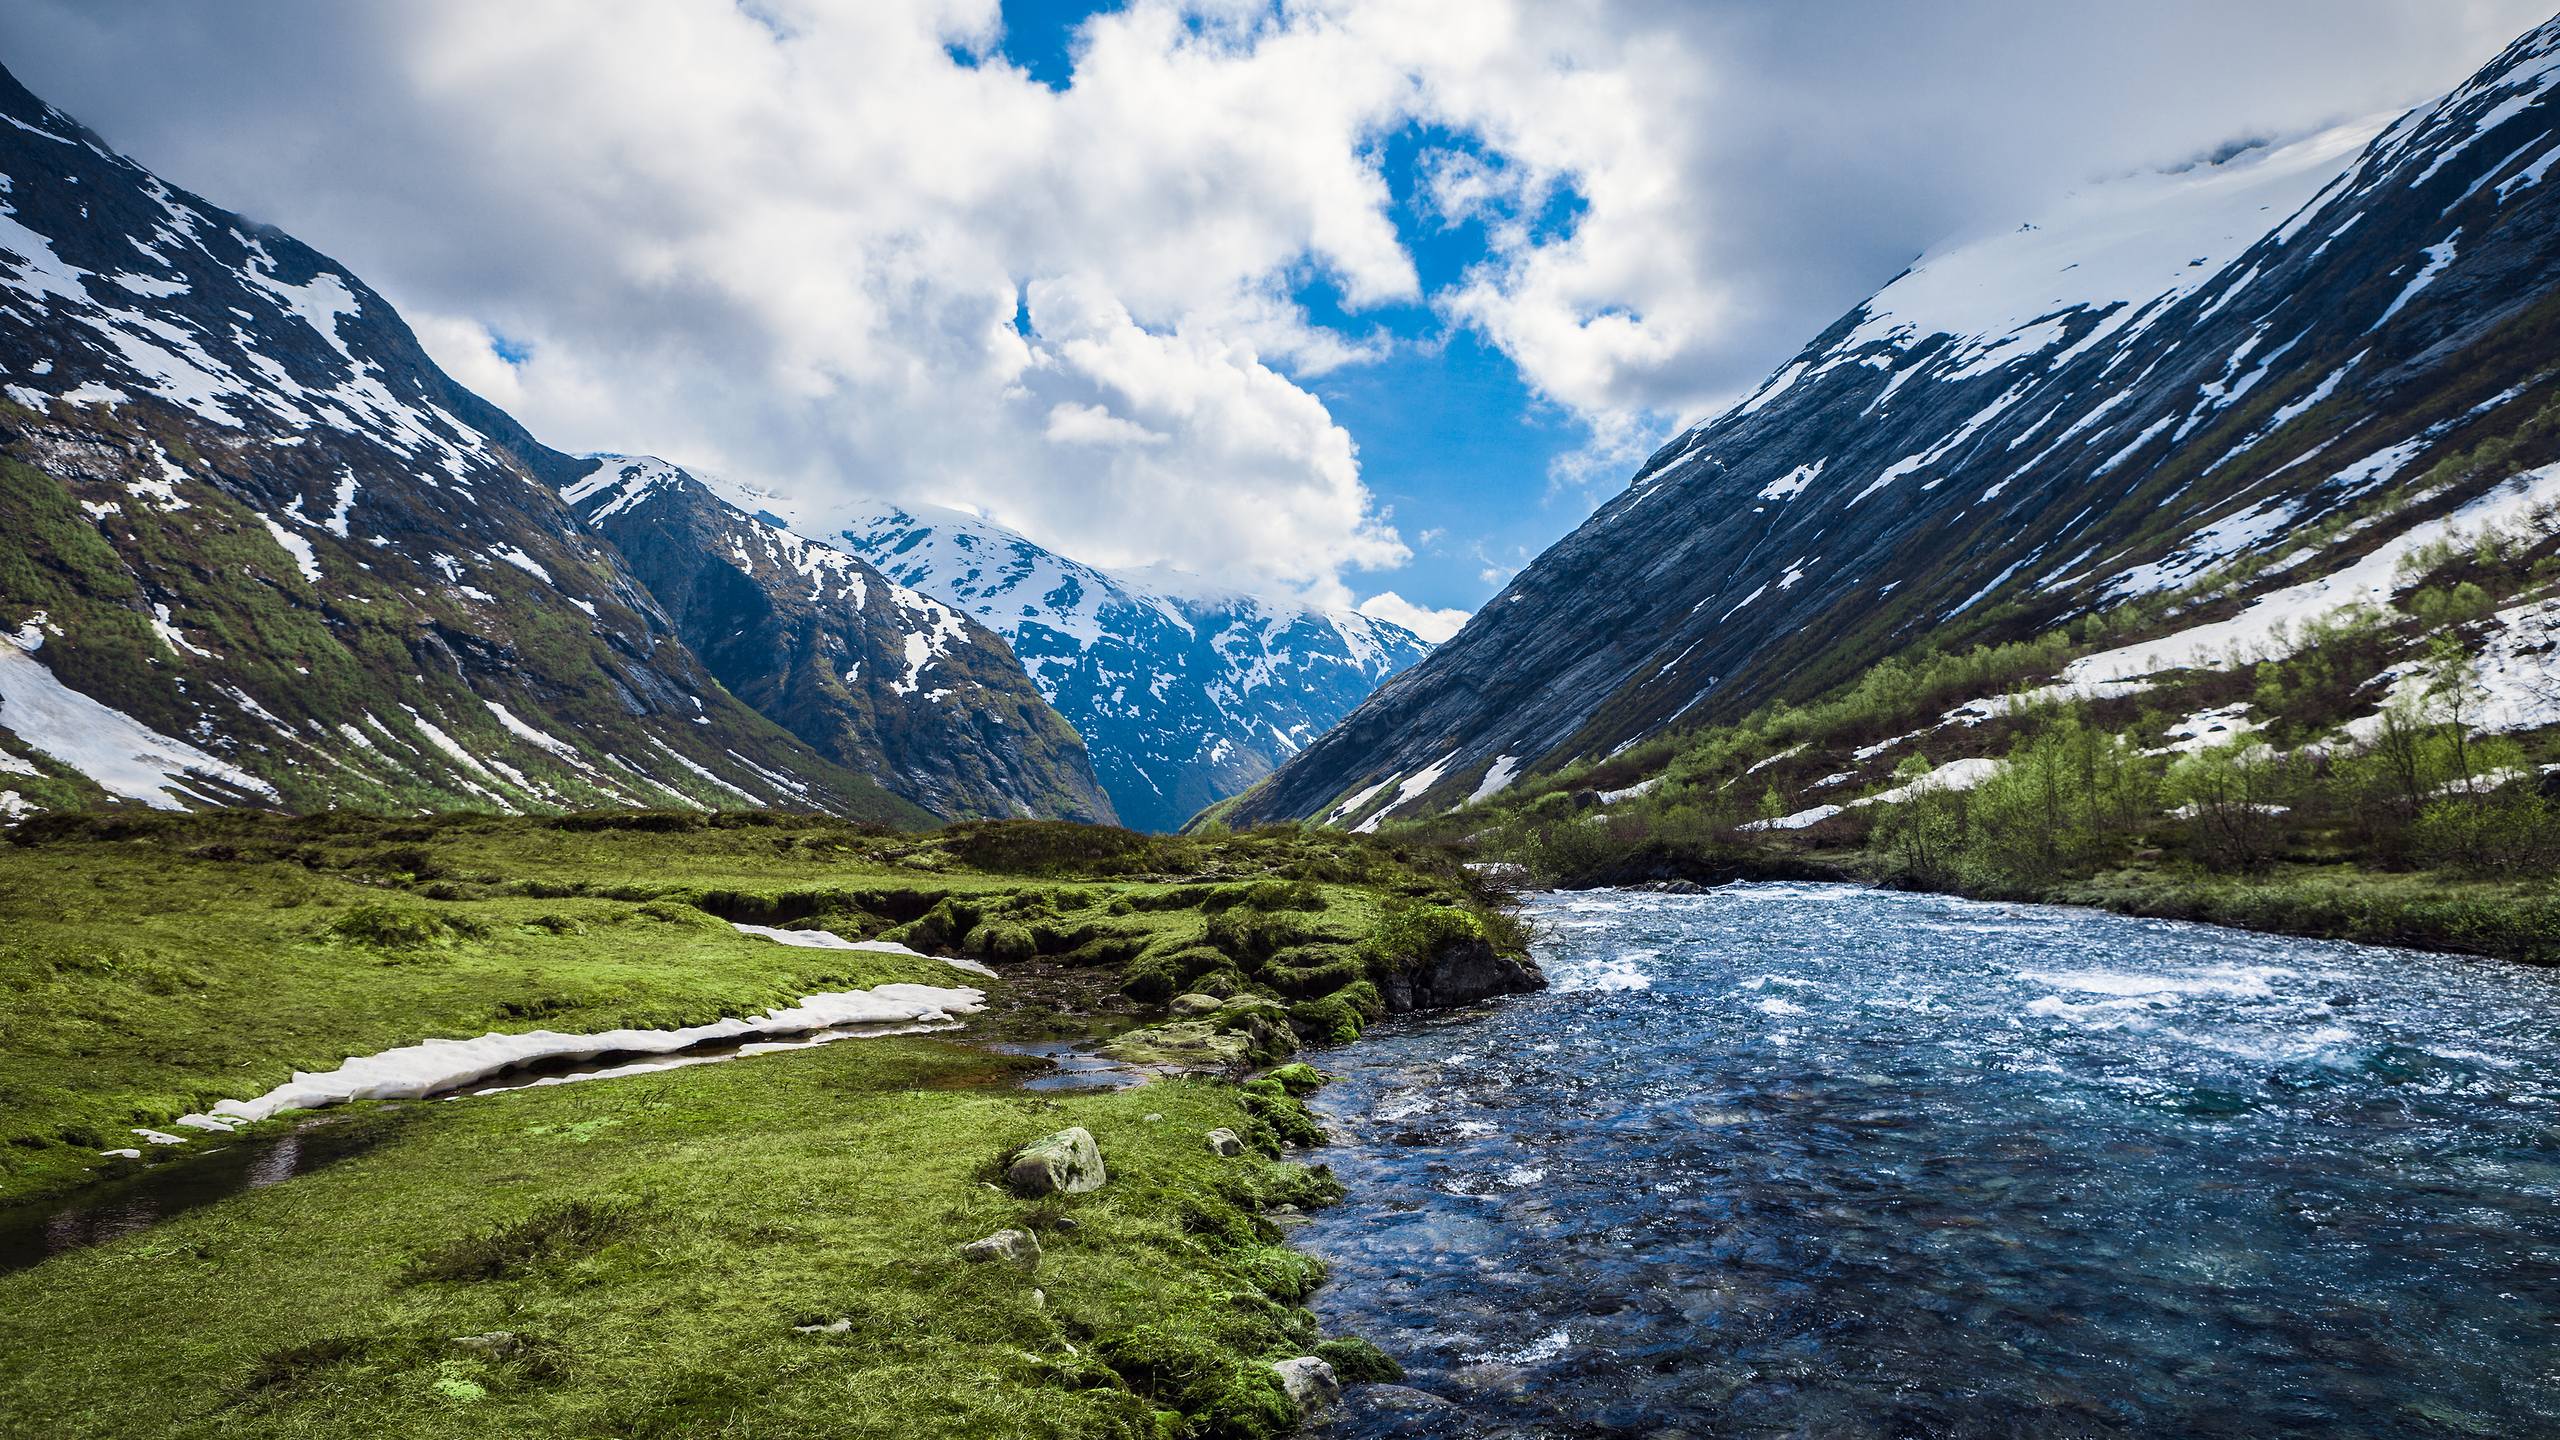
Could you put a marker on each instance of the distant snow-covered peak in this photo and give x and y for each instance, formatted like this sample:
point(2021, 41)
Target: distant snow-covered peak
point(1186, 690)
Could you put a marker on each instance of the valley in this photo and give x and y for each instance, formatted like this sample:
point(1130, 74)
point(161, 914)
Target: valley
point(2003, 884)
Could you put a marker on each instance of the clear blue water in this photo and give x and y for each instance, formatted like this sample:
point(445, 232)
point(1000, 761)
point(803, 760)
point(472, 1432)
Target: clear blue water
point(1819, 1161)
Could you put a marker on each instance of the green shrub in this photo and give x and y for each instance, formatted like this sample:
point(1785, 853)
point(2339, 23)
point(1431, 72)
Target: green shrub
point(2513, 832)
point(1408, 937)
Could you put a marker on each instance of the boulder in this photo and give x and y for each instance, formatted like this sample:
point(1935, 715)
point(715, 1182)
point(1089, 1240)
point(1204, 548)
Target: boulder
point(1223, 1141)
point(1460, 972)
point(1194, 1004)
point(1012, 1247)
point(1067, 1163)
point(1310, 1384)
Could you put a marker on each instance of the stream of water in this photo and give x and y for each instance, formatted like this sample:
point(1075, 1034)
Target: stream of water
point(1819, 1161)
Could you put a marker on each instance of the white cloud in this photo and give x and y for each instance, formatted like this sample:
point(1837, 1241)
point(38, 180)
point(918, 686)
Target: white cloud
point(1073, 424)
point(1432, 625)
point(803, 241)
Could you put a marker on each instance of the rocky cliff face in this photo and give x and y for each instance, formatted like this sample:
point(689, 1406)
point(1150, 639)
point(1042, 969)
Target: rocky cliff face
point(1185, 693)
point(2177, 391)
point(864, 670)
point(261, 550)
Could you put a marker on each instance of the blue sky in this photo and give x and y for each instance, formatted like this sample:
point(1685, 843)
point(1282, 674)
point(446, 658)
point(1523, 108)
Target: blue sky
point(1455, 445)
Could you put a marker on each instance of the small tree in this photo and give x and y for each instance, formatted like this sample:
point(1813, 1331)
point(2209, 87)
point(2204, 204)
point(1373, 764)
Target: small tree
point(1923, 836)
point(2232, 798)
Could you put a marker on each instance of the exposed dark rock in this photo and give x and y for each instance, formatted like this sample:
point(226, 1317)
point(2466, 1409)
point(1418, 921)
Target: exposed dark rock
point(1459, 972)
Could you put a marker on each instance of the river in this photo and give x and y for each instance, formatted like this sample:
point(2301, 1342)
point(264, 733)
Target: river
point(1821, 1161)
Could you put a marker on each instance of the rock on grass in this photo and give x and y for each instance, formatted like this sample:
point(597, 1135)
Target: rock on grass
point(1066, 1163)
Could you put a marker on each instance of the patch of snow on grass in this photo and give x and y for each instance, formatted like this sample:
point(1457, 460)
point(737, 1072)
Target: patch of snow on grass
point(1798, 821)
point(829, 940)
point(1407, 790)
point(1352, 805)
point(1641, 787)
point(413, 1071)
point(2208, 728)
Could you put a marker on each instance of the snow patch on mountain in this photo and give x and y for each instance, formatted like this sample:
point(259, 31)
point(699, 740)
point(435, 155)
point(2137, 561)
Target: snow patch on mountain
point(121, 754)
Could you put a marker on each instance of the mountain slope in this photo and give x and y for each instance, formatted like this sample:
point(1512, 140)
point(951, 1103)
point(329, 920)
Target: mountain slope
point(1185, 693)
point(2145, 406)
point(866, 671)
point(263, 550)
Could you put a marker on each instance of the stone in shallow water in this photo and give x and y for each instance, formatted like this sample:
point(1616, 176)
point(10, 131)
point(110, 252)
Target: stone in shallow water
point(1310, 1383)
point(1067, 1163)
point(1402, 1411)
point(1195, 1004)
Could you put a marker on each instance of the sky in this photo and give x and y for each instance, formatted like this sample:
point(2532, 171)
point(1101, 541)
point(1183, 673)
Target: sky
point(1363, 302)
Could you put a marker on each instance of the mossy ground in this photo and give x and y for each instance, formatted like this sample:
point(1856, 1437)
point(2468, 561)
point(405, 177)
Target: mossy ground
point(650, 1243)
point(638, 1254)
point(151, 966)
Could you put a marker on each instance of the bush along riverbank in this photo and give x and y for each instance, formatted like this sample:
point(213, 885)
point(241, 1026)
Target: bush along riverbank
point(2382, 773)
point(832, 1240)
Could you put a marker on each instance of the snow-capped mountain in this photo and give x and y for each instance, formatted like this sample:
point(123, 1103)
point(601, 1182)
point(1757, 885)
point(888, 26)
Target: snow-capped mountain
point(2179, 389)
point(1185, 693)
point(260, 549)
point(868, 672)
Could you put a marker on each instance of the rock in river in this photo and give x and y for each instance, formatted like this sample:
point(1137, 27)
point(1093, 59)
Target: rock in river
point(1459, 972)
point(1310, 1383)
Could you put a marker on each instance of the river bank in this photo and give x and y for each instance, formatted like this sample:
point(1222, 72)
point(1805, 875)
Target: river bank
point(2516, 920)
